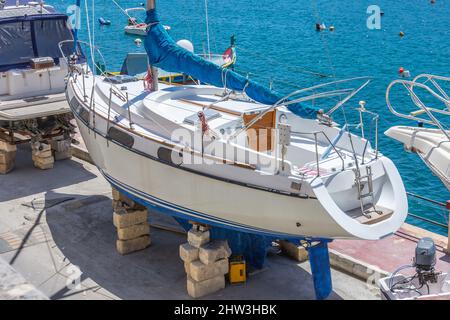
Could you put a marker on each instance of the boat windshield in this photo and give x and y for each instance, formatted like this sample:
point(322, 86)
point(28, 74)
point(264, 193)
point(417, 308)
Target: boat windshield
point(25, 38)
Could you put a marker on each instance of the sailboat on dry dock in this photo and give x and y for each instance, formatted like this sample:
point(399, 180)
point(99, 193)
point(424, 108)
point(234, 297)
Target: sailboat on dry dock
point(224, 150)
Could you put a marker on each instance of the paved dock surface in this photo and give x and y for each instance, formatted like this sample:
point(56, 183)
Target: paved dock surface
point(392, 252)
point(56, 230)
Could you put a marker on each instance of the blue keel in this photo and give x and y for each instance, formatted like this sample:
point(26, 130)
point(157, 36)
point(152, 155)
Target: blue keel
point(319, 260)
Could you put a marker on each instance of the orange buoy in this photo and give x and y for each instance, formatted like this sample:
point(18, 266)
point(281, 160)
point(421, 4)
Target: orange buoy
point(401, 70)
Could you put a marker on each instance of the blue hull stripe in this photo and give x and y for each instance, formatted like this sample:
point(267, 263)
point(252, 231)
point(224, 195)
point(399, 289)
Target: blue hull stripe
point(175, 210)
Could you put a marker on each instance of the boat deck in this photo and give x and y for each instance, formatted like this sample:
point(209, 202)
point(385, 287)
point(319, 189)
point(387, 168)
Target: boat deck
point(30, 108)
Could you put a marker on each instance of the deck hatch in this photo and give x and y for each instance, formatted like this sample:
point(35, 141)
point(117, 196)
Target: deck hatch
point(209, 114)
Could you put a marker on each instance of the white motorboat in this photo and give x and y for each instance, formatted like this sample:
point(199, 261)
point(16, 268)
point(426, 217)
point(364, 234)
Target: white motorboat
point(136, 28)
point(32, 70)
point(214, 154)
point(432, 144)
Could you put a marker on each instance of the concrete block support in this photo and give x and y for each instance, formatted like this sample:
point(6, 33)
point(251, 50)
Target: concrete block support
point(201, 272)
point(197, 238)
point(215, 250)
point(198, 289)
point(7, 157)
point(298, 253)
point(133, 230)
point(61, 148)
point(129, 246)
point(205, 262)
point(42, 156)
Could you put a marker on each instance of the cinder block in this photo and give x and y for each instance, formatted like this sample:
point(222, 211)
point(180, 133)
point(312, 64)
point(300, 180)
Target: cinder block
point(298, 253)
point(198, 289)
point(214, 251)
point(127, 218)
point(133, 232)
point(129, 246)
point(198, 238)
point(200, 271)
point(186, 268)
point(5, 146)
point(7, 157)
point(188, 253)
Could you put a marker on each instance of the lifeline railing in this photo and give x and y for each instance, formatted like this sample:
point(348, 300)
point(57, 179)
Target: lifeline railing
point(316, 147)
point(85, 70)
point(444, 207)
point(423, 108)
point(324, 117)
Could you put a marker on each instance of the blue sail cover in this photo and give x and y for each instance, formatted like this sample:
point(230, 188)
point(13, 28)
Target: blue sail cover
point(164, 53)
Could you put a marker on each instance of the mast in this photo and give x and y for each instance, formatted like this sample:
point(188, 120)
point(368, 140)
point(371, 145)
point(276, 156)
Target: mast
point(151, 5)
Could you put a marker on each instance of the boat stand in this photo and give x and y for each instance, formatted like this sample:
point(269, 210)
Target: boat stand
point(131, 221)
point(206, 275)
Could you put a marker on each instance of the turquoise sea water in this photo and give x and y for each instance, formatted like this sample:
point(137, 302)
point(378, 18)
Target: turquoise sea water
point(277, 40)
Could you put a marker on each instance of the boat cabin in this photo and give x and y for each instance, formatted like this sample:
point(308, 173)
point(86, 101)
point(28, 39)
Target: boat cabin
point(31, 61)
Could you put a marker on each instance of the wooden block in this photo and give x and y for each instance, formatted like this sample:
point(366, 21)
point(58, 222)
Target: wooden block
point(5, 146)
point(127, 218)
point(198, 238)
point(128, 246)
point(213, 251)
point(198, 289)
point(200, 271)
point(7, 157)
point(133, 232)
point(298, 253)
point(188, 253)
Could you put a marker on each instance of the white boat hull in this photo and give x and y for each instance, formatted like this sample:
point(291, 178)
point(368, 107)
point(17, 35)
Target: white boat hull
point(209, 199)
point(235, 196)
point(431, 145)
point(136, 31)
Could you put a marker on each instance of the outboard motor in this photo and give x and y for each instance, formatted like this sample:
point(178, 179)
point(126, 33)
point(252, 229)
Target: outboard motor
point(425, 260)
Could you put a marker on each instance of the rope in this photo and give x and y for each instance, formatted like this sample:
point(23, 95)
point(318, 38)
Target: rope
point(124, 11)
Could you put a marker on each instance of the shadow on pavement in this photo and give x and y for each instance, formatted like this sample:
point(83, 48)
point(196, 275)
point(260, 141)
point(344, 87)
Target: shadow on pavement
point(83, 231)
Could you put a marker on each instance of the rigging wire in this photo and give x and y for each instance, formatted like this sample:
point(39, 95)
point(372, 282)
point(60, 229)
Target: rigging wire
point(207, 28)
point(277, 62)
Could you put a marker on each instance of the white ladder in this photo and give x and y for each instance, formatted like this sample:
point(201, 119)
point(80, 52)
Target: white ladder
point(361, 181)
